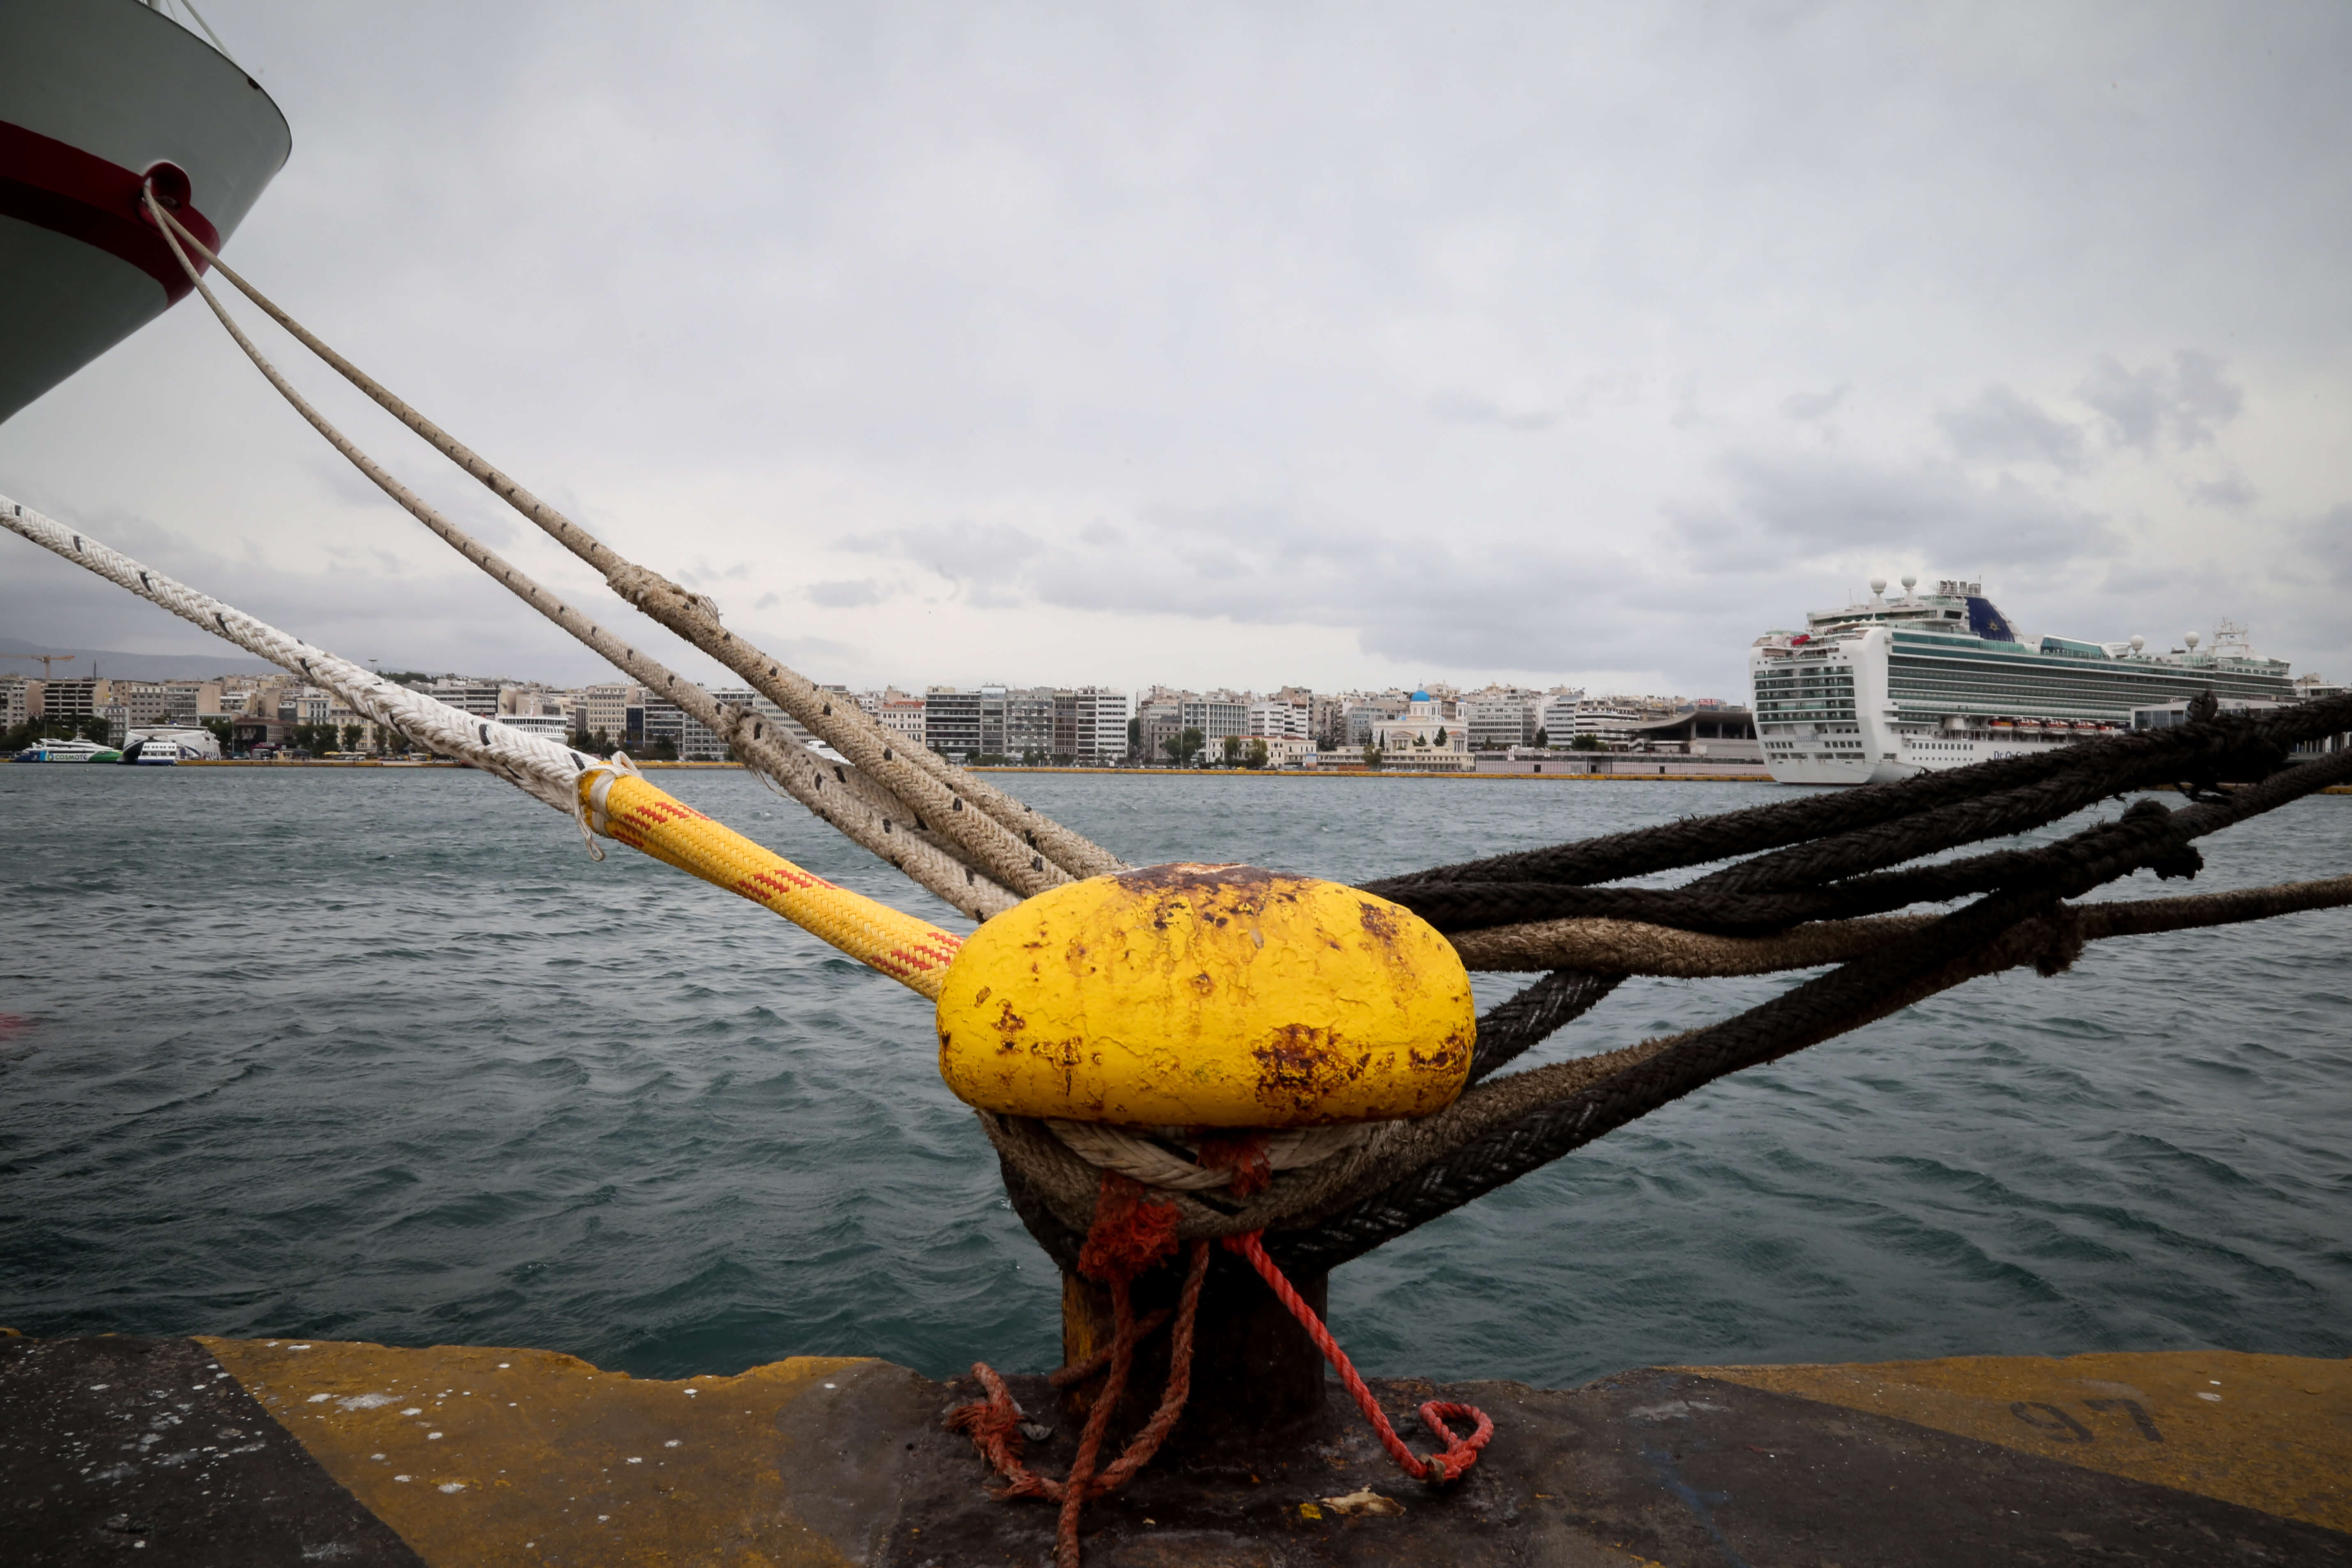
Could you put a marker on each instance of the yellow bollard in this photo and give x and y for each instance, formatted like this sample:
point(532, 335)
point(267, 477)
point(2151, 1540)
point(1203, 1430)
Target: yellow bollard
point(1197, 997)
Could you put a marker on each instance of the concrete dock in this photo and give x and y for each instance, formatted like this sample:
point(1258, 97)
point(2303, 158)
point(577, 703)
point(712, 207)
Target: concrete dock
point(253, 1452)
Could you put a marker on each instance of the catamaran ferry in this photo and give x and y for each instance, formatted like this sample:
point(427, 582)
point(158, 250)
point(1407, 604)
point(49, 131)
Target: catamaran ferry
point(1892, 687)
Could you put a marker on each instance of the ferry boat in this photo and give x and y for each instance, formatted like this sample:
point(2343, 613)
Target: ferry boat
point(1887, 688)
point(169, 747)
point(68, 751)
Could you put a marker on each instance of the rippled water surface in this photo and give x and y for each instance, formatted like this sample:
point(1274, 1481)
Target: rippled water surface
point(384, 1055)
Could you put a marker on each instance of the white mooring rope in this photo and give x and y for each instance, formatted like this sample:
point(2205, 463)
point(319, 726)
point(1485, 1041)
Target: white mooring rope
point(543, 768)
point(1020, 848)
point(839, 795)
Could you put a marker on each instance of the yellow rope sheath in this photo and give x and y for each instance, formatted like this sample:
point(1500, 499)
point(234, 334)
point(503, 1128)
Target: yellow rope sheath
point(912, 952)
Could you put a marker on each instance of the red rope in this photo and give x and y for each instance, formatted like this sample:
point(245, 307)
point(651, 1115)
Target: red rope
point(1459, 1454)
point(1129, 1234)
point(1132, 1232)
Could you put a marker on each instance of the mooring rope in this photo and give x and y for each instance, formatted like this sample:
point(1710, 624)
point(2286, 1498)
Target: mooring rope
point(842, 797)
point(1017, 846)
point(1501, 1129)
point(541, 768)
point(613, 802)
point(1632, 947)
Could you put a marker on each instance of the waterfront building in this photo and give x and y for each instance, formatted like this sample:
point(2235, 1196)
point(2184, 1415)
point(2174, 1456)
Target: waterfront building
point(605, 709)
point(1421, 728)
point(1327, 720)
point(1216, 716)
point(310, 705)
point(248, 731)
point(481, 698)
point(1723, 732)
point(74, 697)
point(16, 697)
point(1028, 725)
point(662, 720)
point(1282, 718)
point(1158, 721)
point(151, 702)
point(1090, 724)
point(951, 720)
point(902, 716)
point(1290, 751)
point(1496, 720)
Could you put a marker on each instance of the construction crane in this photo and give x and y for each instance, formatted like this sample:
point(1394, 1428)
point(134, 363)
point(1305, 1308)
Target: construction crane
point(46, 660)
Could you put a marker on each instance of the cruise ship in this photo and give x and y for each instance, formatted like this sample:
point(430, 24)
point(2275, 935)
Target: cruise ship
point(1895, 686)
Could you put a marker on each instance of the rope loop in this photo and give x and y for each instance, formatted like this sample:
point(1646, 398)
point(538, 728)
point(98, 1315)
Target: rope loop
point(1131, 1234)
point(1439, 1469)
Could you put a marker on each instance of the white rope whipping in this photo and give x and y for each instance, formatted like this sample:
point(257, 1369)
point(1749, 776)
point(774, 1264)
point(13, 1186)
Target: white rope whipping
point(545, 769)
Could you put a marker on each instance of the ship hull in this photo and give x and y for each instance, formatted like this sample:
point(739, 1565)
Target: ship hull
point(93, 94)
point(1886, 704)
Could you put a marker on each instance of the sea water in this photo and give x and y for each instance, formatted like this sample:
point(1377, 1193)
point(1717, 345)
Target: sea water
point(384, 1055)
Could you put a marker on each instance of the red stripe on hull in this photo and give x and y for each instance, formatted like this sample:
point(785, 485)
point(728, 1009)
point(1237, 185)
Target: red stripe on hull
point(56, 185)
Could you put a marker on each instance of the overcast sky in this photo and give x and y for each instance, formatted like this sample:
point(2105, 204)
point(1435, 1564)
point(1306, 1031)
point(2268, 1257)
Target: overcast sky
point(1264, 343)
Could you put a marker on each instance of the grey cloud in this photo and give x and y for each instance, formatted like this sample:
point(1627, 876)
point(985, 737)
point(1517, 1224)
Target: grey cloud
point(1808, 406)
point(2230, 492)
point(2182, 406)
point(1424, 597)
point(1998, 425)
point(1468, 408)
point(843, 594)
point(1795, 506)
point(2329, 544)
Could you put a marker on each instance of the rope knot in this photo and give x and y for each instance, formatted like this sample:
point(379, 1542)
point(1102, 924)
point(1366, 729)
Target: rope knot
point(1131, 1231)
point(2064, 944)
point(1243, 1153)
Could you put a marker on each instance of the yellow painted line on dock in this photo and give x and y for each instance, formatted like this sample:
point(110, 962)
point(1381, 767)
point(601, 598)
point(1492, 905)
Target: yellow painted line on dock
point(498, 1457)
point(2268, 1432)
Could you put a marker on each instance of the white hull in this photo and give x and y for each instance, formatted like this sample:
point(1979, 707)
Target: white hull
point(1888, 691)
point(93, 94)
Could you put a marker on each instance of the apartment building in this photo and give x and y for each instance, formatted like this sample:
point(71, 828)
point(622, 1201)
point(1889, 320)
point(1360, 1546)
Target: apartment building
point(1280, 718)
point(1158, 722)
point(951, 720)
point(79, 697)
point(662, 720)
point(1362, 716)
point(1090, 724)
point(1496, 720)
point(902, 716)
point(1028, 725)
point(1215, 716)
point(312, 705)
point(481, 698)
point(604, 709)
point(149, 702)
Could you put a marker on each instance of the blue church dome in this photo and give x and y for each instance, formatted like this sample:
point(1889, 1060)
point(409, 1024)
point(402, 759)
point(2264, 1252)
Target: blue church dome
point(1420, 697)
